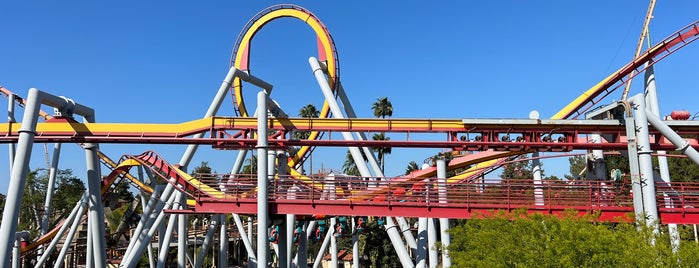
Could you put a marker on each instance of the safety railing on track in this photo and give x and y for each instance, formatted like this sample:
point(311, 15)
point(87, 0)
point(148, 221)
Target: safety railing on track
point(431, 192)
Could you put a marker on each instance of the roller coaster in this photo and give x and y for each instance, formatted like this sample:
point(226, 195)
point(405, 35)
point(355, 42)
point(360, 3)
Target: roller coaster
point(293, 201)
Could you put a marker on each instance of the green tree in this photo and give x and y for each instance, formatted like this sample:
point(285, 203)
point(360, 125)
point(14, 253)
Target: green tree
point(308, 111)
point(376, 247)
point(69, 190)
point(682, 169)
point(382, 107)
point(350, 167)
point(203, 168)
point(32, 203)
point(577, 165)
point(251, 166)
point(122, 190)
point(522, 240)
point(381, 151)
point(519, 170)
point(412, 166)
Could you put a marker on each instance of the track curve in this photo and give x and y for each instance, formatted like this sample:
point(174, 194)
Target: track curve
point(599, 91)
point(327, 52)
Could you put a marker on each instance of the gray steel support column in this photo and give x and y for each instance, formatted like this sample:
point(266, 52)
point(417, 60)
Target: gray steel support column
point(355, 244)
point(442, 180)
point(208, 240)
point(96, 208)
point(142, 196)
point(271, 170)
point(89, 259)
point(633, 166)
point(262, 209)
point(77, 210)
point(19, 237)
point(431, 244)
point(245, 236)
point(653, 107)
point(337, 113)
point(333, 244)
point(283, 253)
point(398, 243)
point(251, 263)
point(323, 247)
point(421, 252)
point(223, 240)
point(355, 152)
point(444, 222)
point(536, 172)
point(645, 161)
point(182, 234)
point(191, 149)
point(71, 234)
point(20, 165)
point(681, 144)
point(50, 188)
point(301, 254)
point(445, 237)
point(283, 174)
point(144, 239)
point(407, 234)
point(371, 158)
point(149, 215)
point(172, 219)
point(164, 241)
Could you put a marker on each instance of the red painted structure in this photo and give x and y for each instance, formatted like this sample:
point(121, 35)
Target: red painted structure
point(342, 195)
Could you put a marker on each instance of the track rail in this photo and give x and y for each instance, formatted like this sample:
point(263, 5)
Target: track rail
point(327, 52)
point(658, 52)
point(531, 135)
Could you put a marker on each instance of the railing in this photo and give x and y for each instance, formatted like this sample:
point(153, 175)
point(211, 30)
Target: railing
point(341, 194)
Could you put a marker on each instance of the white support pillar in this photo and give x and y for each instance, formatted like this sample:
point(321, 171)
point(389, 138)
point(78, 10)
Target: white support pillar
point(323, 247)
point(654, 108)
point(421, 254)
point(443, 222)
point(355, 243)
point(262, 209)
point(223, 240)
point(50, 188)
point(20, 164)
point(634, 167)
point(333, 244)
point(645, 161)
point(246, 238)
point(431, 243)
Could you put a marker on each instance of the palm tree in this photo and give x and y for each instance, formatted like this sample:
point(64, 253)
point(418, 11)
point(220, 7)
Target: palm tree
point(350, 167)
point(382, 107)
point(308, 111)
point(251, 166)
point(412, 166)
point(381, 151)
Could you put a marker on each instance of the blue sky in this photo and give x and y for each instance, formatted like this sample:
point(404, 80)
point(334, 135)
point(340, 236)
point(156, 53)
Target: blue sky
point(162, 61)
